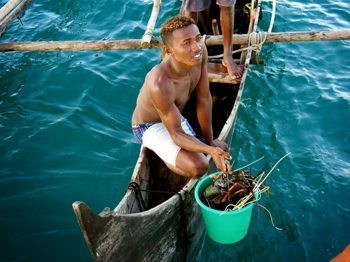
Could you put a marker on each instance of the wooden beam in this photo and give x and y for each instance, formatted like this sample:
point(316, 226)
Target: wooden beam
point(77, 45)
point(155, 43)
point(8, 7)
point(147, 36)
point(215, 26)
point(218, 73)
point(286, 37)
point(7, 15)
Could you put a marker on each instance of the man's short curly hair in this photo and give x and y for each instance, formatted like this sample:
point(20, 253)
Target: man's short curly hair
point(172, 24)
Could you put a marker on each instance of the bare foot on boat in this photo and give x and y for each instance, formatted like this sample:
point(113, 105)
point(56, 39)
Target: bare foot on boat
point(235, 71)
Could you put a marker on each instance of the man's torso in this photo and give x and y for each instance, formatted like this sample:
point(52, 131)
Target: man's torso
point(180, 89)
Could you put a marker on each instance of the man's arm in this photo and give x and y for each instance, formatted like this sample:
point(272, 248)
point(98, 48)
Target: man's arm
point(205, 105)
point(204, 101)
point(163, 101)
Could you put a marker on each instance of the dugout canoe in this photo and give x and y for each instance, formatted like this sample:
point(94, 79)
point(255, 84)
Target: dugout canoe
point(158, 219)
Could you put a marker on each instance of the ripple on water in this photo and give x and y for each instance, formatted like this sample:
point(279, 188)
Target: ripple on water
point(65, 129)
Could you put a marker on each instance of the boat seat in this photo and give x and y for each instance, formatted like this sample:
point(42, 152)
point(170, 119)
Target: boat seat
point(217, 73)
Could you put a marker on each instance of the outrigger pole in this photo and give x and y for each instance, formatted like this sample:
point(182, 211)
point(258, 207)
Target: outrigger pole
point(11, 10)
point(147, 36)
point(156, 43)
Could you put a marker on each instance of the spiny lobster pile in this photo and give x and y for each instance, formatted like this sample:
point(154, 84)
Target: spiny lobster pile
point(233, 189)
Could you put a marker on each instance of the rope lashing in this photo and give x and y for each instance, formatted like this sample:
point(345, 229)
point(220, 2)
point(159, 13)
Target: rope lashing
point(255, 43)
point(140, 202)
point(256, 40)
point(134, 186)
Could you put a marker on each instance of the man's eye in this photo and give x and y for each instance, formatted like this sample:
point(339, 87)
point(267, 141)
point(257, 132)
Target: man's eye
point(198, 38)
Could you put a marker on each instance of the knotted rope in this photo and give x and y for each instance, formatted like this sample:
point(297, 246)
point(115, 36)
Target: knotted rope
point(255, 43)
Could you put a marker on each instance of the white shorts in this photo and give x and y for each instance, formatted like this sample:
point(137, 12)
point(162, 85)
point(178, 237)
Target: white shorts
point(158, 139)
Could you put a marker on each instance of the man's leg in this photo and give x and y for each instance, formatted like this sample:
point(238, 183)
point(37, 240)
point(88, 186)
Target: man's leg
point(193, 15)
point(189, 164)
point(180, 161)
point(198, 11)
point(234, 70)
point(199, 19)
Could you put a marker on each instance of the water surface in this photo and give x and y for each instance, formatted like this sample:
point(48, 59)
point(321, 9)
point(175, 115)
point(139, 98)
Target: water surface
point(65, 130)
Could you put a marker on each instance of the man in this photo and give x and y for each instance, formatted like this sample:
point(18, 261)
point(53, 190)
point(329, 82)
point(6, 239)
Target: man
point(193, 7)
point(157, 120)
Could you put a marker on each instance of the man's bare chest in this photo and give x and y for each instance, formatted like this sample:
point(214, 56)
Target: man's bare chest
point(183, 89)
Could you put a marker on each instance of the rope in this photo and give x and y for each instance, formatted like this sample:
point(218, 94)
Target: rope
point(140, 202)
point(271, 218)
point(255, 42)
point(137, 190)
point(155, 191)
point(260, 182)
point(249, 164)
point(257, 39)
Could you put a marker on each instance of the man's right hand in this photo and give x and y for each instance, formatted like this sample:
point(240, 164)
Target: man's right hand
point(219, 156)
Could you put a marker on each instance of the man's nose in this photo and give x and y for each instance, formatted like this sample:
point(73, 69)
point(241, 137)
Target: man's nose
point(196, 46)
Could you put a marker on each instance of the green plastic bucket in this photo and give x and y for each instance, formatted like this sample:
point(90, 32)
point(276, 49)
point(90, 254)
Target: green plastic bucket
point(225, 228)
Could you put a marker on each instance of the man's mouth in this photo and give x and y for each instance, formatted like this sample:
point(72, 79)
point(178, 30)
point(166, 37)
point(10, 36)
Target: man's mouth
point(197, 56)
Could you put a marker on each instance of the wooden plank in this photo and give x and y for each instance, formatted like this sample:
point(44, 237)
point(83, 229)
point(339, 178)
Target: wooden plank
point(217, 73)
point(12, 14)
point(286, 37)
point(156, 43)
point(77, 45)
point(8, 8)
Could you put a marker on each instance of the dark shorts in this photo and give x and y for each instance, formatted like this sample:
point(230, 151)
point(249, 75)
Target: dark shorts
point(139, 129)
point(201, 5)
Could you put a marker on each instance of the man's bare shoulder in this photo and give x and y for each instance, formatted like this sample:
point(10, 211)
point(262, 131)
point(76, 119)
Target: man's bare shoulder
point(157, 79)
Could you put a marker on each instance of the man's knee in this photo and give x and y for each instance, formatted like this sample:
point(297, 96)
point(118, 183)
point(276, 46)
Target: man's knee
point(199, 167)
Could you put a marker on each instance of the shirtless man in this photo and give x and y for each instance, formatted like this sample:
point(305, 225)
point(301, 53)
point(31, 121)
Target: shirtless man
point(157, 121)
point(193, 7)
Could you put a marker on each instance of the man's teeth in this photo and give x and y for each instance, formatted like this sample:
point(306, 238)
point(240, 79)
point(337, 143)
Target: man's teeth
point(196, 56)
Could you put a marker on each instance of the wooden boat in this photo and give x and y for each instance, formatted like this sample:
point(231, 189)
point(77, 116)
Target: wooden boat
point(158, 219)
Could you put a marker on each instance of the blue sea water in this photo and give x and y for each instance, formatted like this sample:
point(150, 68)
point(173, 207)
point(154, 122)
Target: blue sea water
point(65, 130)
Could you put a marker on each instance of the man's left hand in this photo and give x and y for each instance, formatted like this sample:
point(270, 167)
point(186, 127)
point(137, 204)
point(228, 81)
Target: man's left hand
point(224, 147)
point(220, 144)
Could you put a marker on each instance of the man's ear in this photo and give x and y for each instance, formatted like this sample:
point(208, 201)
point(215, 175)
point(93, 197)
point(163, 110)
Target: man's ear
point(167, 50)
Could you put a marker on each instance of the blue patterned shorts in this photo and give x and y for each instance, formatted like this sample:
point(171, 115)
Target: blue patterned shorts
point(139, 129)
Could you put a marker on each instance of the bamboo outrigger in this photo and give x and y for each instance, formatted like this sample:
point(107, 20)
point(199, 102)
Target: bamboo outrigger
point(147, 36)
point(133, 44)
point(158, 219)
point(11, 10)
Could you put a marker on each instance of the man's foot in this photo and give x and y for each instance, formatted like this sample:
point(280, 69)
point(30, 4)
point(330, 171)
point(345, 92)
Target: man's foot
point(235, 71)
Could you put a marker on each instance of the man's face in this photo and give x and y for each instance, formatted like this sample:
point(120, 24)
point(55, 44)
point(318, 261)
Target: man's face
point(186, 45)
